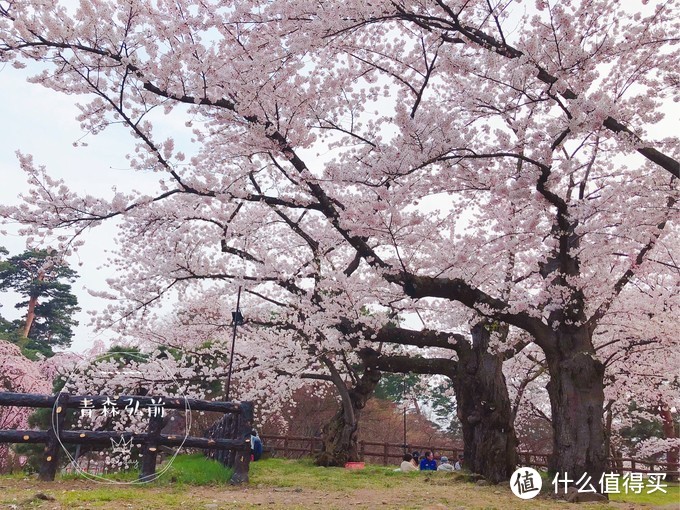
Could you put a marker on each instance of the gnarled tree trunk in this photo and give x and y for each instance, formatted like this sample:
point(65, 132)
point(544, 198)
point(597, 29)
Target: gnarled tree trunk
point(339, 436)
point(484, 409)
point(669, 432)
point(576, 390)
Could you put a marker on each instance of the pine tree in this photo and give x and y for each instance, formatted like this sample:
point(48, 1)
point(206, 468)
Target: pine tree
point(43, 279)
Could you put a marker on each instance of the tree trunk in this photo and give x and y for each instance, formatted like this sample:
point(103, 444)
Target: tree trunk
point(609, 417)
point(340, 435)
point(617, 462)
point(32, 303)
point(483, 403)
point(669, 433)
point(30, 316)
point(576, 390)
point(340, 444)
point(484, 409)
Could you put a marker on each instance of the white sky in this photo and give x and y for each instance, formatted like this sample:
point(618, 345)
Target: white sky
point(41, 122)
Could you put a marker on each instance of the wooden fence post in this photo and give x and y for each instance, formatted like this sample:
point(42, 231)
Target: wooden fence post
point(222, 429)
point(362, 450)
point(150, 448)
point(232, 432)
point(285, 447)
point(243, 430)
point(50, 461)
point(386, 447)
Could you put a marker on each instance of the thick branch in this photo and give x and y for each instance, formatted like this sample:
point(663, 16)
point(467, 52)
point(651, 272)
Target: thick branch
point(423, 338)
point(455, 289)
point(408, 365)
point(336, 379)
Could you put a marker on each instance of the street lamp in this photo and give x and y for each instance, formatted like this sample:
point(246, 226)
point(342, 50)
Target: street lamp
point(237, 320)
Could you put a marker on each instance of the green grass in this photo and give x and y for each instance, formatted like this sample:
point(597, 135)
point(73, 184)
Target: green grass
point(659, 498)
point(196, 470)
point(120, 497)
point(305, 475)
point(184, 470)
point(103, 494)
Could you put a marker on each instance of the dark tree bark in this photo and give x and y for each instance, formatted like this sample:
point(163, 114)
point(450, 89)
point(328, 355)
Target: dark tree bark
point(608, 419)
point(577, 378)
point(339, 436)
point(576, 390)
point(484, 409)
point(30, 316)
point(669, 432)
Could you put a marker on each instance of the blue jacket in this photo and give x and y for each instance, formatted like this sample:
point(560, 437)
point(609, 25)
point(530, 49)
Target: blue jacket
point(428, 465)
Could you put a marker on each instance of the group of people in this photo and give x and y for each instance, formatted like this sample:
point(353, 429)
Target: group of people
point(410, 462)
point(414, 462)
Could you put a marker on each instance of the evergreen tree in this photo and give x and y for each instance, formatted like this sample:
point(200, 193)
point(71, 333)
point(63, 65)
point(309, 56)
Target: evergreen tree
point(43, 280)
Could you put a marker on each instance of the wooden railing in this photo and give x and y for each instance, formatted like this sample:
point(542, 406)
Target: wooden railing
point(151, 441)
point(292, 447)
point(615, 464)
point(626, 464)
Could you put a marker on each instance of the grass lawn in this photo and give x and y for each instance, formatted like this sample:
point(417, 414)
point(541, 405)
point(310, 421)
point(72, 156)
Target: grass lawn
point(184, 469)
point(658, 498)
point(193, 482)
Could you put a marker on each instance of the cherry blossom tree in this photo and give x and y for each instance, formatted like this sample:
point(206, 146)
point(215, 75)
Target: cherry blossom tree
point(17, 374)
point(642, 365)
point(304, 338)
point(640, 360)
point(320, 330)
point(457, 152)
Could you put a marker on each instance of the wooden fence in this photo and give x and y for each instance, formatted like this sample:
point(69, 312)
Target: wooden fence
point(151, 441)
point(618, 465)
point(292, 447)
point(390, 453)
point(227, 427)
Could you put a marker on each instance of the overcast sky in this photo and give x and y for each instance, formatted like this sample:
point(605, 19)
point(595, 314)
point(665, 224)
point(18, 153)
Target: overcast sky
point(41, 122)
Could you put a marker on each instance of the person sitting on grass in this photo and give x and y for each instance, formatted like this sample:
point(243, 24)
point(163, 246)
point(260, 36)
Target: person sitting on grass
point(416, 459)
point(444, 464)
point(407, 464)
point(428, 463)
point(255, 446)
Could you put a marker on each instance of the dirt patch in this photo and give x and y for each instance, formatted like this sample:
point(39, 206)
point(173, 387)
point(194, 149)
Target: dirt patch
point(413, 494)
